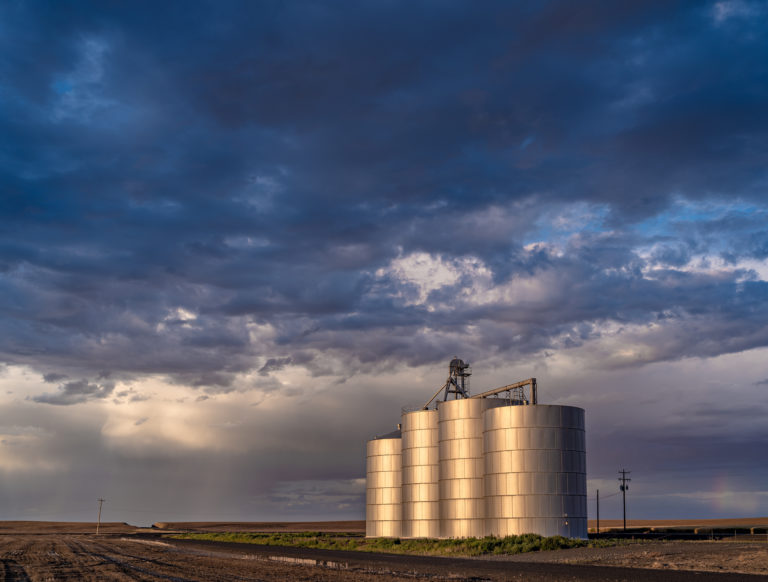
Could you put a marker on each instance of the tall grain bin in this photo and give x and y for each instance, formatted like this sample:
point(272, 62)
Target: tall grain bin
point(421, 499)
point(383, 508)
point(535, 471)
point(460, 448)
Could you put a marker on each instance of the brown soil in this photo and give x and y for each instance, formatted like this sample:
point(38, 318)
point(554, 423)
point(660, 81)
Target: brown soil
point(41, 558)
point(265, 526)
point(72, 527)
point(90, 558)
point(719, 556)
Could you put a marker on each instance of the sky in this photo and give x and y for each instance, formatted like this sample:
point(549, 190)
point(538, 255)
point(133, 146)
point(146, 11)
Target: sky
point(237, 237)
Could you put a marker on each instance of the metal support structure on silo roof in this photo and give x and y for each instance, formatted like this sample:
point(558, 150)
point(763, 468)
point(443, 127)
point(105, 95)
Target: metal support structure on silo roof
point(458, 379)
point(457, 382)
point(533, 399)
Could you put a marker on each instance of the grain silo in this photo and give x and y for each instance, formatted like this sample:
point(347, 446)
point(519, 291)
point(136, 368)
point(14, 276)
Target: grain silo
point(462, 466)
point(421, 499)
point(383, 488)
point(497, 463)
point(535, 471)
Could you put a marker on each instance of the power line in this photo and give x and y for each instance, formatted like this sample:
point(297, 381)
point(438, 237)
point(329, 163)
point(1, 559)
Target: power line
point(98, 519)
point(623, 488)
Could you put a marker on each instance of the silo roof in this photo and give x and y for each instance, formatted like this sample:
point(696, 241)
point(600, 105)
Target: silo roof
point(395, 434)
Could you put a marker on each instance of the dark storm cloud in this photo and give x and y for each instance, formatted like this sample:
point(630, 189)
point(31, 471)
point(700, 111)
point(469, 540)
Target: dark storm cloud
point(171, 182)
point(53, 377)
point(77, 392)
point(274, 364)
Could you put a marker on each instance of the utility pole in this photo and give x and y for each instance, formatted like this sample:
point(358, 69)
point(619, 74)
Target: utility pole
point(598, 512)
point(98, 520)
point(624, 480)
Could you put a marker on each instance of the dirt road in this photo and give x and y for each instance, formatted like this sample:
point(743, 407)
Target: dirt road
point(48, 557)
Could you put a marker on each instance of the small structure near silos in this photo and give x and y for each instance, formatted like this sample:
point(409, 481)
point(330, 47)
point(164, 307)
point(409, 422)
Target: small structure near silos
point(496, 463)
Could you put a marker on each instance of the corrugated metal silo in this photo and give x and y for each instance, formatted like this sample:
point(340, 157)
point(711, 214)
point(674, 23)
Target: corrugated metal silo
point(535, 471)
point(383, 508)
point(460, 449)
point(421, 499)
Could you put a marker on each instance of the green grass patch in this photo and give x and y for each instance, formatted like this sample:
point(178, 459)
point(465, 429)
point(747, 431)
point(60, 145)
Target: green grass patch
point(430, 547)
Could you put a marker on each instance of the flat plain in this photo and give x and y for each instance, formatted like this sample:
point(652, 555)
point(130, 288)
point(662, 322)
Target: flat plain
point(38, 551)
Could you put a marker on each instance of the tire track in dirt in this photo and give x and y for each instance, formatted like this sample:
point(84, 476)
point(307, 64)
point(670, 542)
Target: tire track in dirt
point(14, 572)
point(104, 555)
point(165, 568)
point(126, 566)
point(110, 554)
point(85, 558)
point(45, 558)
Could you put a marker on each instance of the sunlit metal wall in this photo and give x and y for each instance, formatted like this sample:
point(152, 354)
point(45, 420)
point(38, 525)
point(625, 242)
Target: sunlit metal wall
point(461, 466)
point(383, 508)
point(421, 499)
point(535, 471)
